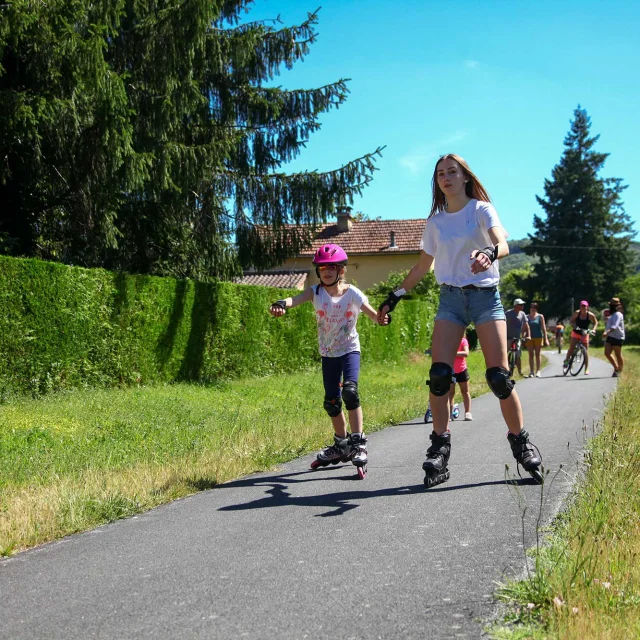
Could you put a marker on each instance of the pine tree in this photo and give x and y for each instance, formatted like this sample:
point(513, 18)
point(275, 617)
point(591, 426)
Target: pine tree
point(583, 243)
point(145, 135)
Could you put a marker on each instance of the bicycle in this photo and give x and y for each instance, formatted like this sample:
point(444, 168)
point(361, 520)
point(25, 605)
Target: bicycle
point(574, 364)
point(514, 348)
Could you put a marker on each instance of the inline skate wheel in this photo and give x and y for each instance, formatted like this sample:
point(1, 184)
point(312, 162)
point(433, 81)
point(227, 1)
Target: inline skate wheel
point(537, 476)
point(431, 480)
point(315, 464)
point(362, 473)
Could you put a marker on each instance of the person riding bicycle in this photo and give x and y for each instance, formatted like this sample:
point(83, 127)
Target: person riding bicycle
point(517, 328)
point(580, 321)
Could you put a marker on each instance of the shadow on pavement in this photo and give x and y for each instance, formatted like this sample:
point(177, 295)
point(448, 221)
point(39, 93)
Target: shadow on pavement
point(338, 503)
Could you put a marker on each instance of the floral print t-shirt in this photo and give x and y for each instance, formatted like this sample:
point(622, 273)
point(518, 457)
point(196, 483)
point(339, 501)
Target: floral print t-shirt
point(337, 318)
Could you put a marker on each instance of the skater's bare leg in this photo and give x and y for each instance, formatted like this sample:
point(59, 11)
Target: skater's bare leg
point(355, 420)
point(340, 425)
point(492, 336)
point(444, 346)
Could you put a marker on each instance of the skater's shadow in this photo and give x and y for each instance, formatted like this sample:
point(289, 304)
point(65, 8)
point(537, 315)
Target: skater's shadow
point(278, 495)
point(582, 377)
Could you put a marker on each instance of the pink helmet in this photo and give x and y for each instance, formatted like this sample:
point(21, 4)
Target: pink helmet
point(330, 254)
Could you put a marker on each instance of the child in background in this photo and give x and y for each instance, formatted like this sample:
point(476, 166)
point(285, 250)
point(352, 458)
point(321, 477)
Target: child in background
point(337, 305)
point(461, 375)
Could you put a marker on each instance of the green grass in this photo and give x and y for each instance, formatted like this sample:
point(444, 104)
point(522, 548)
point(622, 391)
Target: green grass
point(587, 575)
point(75, 460)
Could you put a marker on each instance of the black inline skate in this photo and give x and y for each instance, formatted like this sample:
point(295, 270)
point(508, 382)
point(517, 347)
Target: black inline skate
point(435, 466)
point(526, 454)
point(352, 448)
point(359, 455)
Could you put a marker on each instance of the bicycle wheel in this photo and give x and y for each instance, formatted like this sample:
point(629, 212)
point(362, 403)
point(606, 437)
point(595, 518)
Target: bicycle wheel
point(512, 363)
point(566, 365)
point(577, 362)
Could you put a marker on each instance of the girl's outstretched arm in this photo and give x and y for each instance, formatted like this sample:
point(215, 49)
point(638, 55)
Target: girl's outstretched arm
point(367, 309)
point(418, 271)
point(279, 307)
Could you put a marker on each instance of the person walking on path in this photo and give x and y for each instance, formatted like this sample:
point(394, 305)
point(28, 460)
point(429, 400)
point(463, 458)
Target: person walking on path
point(614, 336)
point(337, 306)
point(517, 329)
point(465, 237)
point(538, 331)
point(580, 321)
point(559, 333)
point(461, 374)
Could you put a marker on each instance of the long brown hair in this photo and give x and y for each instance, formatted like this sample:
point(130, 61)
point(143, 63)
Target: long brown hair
point(473, 188)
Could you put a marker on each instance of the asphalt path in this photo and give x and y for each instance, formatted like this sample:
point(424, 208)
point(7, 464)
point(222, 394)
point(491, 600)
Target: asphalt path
point(296, 553)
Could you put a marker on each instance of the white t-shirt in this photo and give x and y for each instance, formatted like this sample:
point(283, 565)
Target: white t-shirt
point(451, 237)
point(336, 319)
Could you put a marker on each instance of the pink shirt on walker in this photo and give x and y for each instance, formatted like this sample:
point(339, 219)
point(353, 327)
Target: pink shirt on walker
point(460, 363)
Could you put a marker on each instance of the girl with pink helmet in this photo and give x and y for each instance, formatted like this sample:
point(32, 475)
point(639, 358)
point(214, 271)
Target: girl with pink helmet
point(337, 306)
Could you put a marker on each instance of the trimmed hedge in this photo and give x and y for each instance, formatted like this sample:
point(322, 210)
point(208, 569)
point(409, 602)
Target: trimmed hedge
point(64, 327)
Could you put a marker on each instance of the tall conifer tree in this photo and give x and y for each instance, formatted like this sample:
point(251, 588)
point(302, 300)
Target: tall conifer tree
point(144, 135)
point(583, 241)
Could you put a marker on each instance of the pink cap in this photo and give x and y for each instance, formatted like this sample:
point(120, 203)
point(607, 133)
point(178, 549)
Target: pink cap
point(584, 303)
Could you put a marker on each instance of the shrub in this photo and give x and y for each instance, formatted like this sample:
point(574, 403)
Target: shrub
point(64, 327)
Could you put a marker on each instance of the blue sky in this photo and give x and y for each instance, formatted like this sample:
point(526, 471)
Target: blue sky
point(494, 81)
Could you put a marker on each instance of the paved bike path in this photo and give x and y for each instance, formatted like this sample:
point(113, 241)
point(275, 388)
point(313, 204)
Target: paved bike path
point(302, 554)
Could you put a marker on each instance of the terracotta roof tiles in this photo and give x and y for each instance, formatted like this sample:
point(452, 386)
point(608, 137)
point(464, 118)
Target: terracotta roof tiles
point(372, 237)
point(278, 279)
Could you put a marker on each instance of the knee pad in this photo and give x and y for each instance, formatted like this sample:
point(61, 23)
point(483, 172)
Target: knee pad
point(499, 382)
point(440, 378)
point(350, 395)
point(333, 406)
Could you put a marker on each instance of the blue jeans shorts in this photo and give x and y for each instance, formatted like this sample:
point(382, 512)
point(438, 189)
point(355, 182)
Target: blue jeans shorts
point(464, 306)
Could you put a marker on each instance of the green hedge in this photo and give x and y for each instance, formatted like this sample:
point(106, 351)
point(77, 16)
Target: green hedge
point(64, 327)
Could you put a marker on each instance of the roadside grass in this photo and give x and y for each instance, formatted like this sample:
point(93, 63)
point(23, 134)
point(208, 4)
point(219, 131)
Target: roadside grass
point(74, 461)
point(586, 582)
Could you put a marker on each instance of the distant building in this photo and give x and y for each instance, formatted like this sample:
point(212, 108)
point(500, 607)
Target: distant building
point(375, 249)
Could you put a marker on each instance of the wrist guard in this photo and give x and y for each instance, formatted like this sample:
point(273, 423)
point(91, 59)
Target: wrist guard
point(490, 252)
point(280, 303)
point(390, 301)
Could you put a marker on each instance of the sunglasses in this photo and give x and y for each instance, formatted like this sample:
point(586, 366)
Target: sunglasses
point(328, 267)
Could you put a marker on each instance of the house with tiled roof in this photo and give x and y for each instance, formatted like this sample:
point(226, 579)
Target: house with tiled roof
point(375, 249)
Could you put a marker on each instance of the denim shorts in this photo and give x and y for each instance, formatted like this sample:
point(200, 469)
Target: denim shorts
point(464, 306)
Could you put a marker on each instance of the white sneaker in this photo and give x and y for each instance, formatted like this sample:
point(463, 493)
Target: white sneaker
point(468, 416)
point(538, 374)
